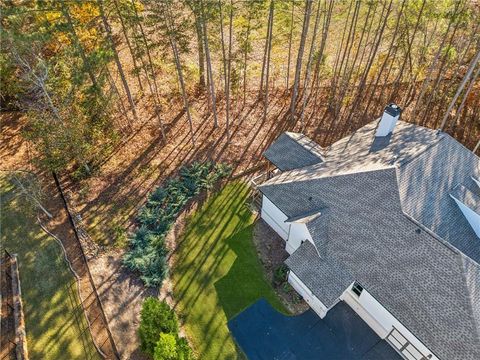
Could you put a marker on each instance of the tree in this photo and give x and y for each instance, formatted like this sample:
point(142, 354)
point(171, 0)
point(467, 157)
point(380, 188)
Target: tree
point(213, 98)
point(298, 68)
point(108, 31)
point(460, 89)
point(266, 62)
point(155, 318)
point(290, 44)
point(229, 69)
point(164, 12)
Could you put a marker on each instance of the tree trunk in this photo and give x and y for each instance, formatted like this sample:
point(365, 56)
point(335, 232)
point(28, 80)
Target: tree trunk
point(290, 44)
point(152, 70)
point(333, 86)
point(178, 66)
point(129, 45)
point(209, 66)
point(409, 47)
point(460, 89)
point(467, 92)
point(229, 68)
point(361, 86)
point(325, 28)
point(201, 53)
point(426, 82)
point(147, 49)
point(116, 58)
point(384, 64)
point(306, 87)
point(460, 63)
point(224, 56)
point(266, 50)
point(269, 48)
point(245, 59)
point(298, 69)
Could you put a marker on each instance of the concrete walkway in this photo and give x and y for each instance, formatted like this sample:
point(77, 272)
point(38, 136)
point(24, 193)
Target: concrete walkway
point(263, 333)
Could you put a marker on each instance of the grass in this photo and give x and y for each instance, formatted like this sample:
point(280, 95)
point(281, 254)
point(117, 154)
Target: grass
point(217, 272)
point(53, 331)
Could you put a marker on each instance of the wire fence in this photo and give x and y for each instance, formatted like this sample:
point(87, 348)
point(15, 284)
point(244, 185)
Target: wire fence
point(90, 302)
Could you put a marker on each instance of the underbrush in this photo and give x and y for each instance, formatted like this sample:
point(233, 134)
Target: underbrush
point(148, 251)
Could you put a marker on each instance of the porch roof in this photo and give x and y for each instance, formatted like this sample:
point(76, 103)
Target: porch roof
point(293, 151)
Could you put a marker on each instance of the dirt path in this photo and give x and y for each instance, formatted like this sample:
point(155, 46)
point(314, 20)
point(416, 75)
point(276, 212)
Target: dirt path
point(122, 295)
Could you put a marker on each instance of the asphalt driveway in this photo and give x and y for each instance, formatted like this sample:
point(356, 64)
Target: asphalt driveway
point(263, 333)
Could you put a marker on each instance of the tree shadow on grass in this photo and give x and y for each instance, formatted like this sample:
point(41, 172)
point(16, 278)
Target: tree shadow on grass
point(245, 282)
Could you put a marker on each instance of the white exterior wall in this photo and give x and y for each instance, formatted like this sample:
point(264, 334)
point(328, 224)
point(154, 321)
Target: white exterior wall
point(275, 218)
point(379, 319)
point(292, 233)
point(308, 296)
point(298, 233)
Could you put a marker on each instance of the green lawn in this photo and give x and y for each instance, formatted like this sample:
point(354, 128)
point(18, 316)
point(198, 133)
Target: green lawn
point(53, 332)
point(218, 273)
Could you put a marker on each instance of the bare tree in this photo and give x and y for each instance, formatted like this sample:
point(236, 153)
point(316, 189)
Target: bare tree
point(209, 65)
point(298, 69)
point(290, 44)
point(460, 89)
point(168, 20)
point(229, 67)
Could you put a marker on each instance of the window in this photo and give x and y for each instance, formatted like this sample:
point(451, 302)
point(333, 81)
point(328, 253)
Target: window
point(357, 288)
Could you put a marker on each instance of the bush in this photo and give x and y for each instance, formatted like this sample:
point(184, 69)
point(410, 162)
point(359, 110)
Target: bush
point(158, 332)
point(156, 317)
point(148, 253)
point(280, 275)
point(166, 348)
point(170, 347)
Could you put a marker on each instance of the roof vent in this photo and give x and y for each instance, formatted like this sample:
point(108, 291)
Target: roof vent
point(390, 116)
point(469, 204)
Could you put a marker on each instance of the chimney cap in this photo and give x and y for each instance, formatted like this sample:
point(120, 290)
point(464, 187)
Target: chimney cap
point(393, 109)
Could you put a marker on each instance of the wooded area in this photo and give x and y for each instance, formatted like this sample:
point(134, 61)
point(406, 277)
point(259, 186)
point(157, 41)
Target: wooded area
point(338, 63)
point(84, 72)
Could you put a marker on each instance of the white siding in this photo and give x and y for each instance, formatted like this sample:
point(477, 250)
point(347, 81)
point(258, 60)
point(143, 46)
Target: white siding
point(275, 218)
point(298, 233)
point(378, 318)
point(305, 292)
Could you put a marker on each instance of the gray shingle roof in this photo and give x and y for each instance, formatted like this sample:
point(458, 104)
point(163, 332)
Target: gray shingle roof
point(325, 279)
point(467, 197)
point(386, 213)
point(293, 151)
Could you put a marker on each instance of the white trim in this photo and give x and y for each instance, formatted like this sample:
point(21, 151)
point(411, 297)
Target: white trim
point(307, 295)
point(353, 301)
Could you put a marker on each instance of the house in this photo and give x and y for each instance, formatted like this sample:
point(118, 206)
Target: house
point(388, 221)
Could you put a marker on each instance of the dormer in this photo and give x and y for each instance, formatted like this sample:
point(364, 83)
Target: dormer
point(469, 204)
